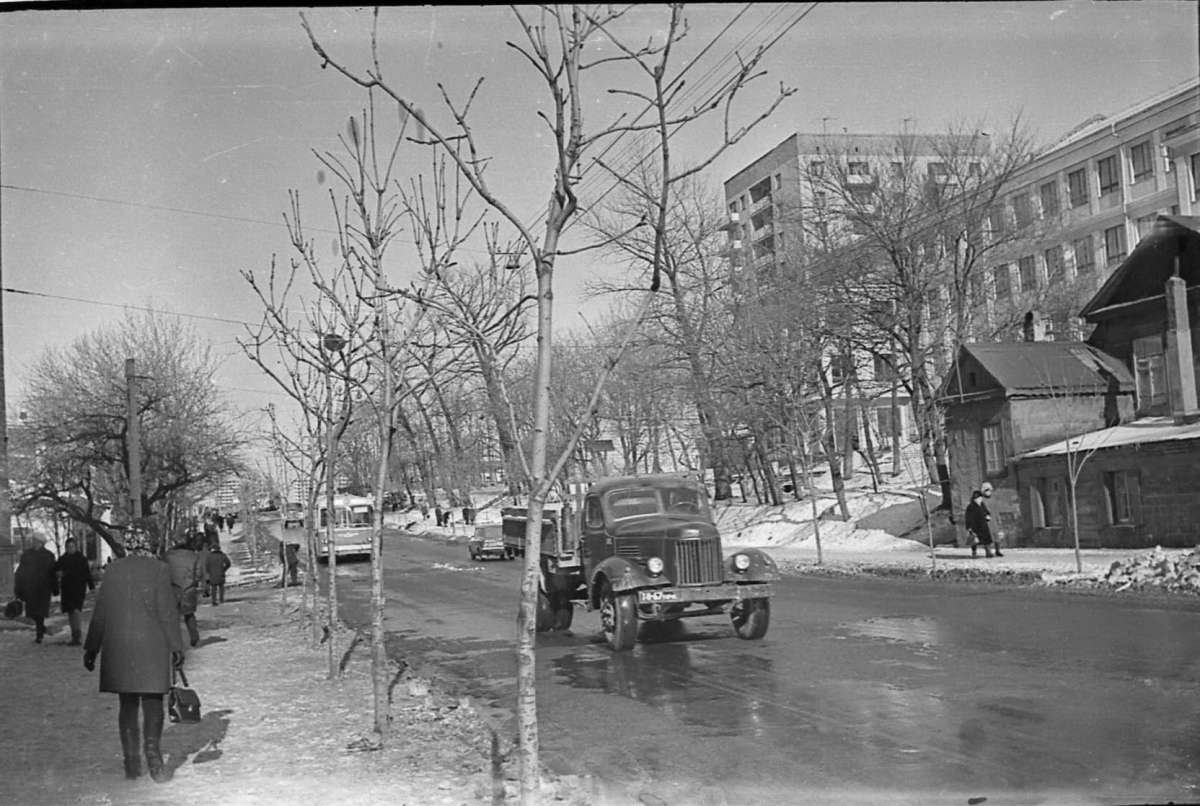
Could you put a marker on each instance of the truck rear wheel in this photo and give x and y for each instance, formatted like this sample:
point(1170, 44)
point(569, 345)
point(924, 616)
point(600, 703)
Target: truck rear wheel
point(618, 618)
point(751, 617)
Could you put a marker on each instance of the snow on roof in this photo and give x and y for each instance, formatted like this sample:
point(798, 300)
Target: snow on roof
point(1098, 123)
point(1139, 432)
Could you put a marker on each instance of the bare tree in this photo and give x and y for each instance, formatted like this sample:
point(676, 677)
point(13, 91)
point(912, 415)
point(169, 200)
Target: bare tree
point(557, 47)
point(77, 428)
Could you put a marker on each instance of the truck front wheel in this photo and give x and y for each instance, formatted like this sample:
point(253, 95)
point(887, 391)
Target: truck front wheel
point(751, 617)
point(618, 618)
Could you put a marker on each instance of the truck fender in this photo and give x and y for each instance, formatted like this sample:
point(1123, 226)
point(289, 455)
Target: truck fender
point(622, 574)
point(762, 567)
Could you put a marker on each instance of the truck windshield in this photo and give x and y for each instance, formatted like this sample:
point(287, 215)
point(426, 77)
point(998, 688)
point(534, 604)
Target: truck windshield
point(681, 501)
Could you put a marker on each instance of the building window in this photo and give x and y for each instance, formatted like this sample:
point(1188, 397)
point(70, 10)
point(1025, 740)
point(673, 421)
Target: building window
point(1085, 255)
point(973, 169)
point(1114, 244)
point(993, 449)
point(1109, 174)
point(888, 429)
point(1002, 281)
point(938, 170)
point(1123, 495)
point(1048, 193)
point(1023, 210)
point(859, 169)
point(882, 368)
point(816, 169)
point(1195, 163)
point(897, 169)
point(1077, 190)
point(1055, 266)
point(1055, 500)
point(1145, 224)
point(997, 222)
point(778, 181)
point(1027, 272)
point(1141, 160)
point(1150, 373)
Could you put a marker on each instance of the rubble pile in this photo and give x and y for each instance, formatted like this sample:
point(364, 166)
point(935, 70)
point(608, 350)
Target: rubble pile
point(1172, 572)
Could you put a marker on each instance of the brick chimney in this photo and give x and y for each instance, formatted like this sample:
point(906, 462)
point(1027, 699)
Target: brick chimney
point(1181, 371)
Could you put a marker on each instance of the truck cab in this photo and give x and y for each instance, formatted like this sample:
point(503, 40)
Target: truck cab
point(647, 551)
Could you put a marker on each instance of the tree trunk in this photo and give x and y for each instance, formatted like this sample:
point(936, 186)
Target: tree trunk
point(829, 446)
point(527, 726)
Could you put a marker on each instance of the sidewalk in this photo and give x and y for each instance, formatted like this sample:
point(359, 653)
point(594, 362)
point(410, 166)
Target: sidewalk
point(274, 729)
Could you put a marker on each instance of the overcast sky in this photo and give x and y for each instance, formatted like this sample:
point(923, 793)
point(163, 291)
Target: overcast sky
point(146, 155)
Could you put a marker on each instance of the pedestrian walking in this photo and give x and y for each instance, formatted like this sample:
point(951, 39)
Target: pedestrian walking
point(219, 522)
point(217, 564)
point(187, 576)
point(204, 548)
point(36, 582)
point(977, 525)
point(986, 489)
point(135, 631)
point(424, 511)
point(293, 563)
point(438, 515)
point(75, 581)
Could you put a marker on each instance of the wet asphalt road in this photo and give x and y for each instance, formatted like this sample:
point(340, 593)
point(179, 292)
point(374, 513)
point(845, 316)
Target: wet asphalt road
point(864, 690)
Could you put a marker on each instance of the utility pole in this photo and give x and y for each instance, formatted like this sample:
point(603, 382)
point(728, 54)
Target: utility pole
point(133, 436)
point(7, 549)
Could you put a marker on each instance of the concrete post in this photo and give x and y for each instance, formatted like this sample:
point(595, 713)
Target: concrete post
point(1181, 371)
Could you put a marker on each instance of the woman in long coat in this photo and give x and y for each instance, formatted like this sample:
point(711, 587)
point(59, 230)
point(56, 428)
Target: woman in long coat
point(35, 583)
point(135, 630)
point(76, 582)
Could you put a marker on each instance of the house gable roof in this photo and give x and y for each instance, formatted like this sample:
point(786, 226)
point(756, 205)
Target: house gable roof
point(1038, 368)
point(1144, 273)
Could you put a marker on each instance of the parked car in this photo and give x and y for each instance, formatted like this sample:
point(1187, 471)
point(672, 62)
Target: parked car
point(293, 513)
point(488, 541)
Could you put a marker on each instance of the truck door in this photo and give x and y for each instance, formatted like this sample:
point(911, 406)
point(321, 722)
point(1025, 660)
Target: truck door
point(592, 547)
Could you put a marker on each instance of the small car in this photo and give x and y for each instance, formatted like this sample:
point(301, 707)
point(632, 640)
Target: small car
point(293, 513)
point(488, 541)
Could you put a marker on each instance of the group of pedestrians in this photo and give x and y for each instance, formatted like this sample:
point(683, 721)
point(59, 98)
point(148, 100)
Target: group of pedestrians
point(979, 522)
point(38, 580)
point(135, 626)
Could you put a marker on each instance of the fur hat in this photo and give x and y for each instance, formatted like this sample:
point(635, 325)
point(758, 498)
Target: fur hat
point(138, 541)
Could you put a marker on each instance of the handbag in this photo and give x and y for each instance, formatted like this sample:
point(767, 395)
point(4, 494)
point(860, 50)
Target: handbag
point(183, 703)
point(14, 609)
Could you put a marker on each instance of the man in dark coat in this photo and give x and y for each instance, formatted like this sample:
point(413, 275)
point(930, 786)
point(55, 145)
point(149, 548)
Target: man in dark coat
point(35, 583)
point(217, 564)
point(186, 578)
point(135, 630)
point(76, 581)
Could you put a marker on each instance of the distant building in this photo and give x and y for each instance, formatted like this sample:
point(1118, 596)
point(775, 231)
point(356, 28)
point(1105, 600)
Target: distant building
point(1118, 416)
point(1091, 197)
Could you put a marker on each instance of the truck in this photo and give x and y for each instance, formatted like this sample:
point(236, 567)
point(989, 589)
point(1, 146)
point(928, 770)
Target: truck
point(642, 549)
point(353, 520)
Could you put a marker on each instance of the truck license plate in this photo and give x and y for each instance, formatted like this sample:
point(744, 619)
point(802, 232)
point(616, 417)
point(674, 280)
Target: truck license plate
point(647, 597)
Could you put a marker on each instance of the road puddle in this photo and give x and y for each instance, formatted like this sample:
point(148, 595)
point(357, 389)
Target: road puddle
point(917, 630)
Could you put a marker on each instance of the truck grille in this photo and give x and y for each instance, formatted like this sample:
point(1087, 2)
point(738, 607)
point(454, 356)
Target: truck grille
point(698, 562)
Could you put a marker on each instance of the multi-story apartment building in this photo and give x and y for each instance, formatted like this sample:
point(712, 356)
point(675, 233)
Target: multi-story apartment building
point(1074, 210)
point(1092, 196)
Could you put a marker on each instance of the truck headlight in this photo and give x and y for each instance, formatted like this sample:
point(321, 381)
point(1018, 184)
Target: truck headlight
point(741, 562)
point(654, 565)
